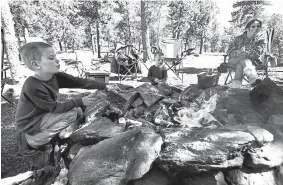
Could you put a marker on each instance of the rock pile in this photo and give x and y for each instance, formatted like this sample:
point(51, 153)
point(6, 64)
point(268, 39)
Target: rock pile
point(149, 135)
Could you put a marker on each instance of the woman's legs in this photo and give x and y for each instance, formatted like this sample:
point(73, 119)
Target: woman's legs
point(239, 75)
point(249, 70)
point(244, 67)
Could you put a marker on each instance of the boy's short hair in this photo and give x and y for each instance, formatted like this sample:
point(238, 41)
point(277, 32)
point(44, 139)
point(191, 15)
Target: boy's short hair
point(158, 53)
point(32, 51)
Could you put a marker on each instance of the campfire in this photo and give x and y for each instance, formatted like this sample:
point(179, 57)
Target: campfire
point(148, 133)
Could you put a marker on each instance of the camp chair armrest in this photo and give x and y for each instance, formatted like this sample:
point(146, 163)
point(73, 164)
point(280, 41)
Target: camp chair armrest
point(225, 58)
point(187, 52)
point(5, 69)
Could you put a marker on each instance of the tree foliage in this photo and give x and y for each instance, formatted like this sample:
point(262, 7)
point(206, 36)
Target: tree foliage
point(276, 22)
point(98, 25)
point(247, 10)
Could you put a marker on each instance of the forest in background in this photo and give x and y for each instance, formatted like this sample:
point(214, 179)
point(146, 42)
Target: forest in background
point(102, 25)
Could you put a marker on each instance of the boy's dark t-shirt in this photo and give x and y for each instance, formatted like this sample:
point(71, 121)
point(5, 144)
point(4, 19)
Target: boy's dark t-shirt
point(156, 72)
point(39, 97)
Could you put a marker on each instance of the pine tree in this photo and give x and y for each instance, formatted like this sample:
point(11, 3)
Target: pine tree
point(10, 40)
point(247, 10)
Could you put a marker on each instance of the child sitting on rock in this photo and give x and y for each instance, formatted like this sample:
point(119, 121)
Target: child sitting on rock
point(39, 116)
point(157, 74)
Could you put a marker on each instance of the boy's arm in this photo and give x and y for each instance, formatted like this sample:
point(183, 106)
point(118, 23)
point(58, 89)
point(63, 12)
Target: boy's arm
point(164, 75)
point(41, 98)
point(68, 81)
point(150, 74)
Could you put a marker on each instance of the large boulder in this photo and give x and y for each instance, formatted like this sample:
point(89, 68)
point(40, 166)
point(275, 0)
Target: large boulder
point(154, 177)
point(211, 178)
point(267, 98)
point(270, 155)
point(202, 150)
point(97, 130)
point(150, 94)
point(275, 119)
point(117, 160)
point(261, 135)
point(248, 176)
point(122, 100)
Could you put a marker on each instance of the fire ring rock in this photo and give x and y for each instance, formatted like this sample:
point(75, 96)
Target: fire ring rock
point(117, 160)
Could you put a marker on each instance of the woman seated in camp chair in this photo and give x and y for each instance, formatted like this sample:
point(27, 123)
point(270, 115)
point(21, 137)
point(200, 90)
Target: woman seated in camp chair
point(127, 55)
point(244, 52)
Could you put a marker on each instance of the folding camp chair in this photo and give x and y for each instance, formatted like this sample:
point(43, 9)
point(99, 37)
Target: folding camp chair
point(76, 65)
point(173, 58)
point(127, 61)
point(261, 68)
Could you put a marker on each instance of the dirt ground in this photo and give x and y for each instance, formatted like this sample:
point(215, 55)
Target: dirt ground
point(12, 164)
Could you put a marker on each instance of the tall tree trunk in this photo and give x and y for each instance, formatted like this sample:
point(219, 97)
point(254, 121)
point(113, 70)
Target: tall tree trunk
point(60, 45)
point(201, 45)
point(201, 42)
point(92, 40)
point(186, 44)
point(73, 45)
point(10, 41)
point(279, 51)
point(65, 46)
point(98, 39)
point(148, 45)
point(97, 30)
point(173, 33)
point(143, 31)
point(129, 30)
point(26, 34)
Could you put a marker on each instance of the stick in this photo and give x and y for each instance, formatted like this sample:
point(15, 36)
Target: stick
point(17, 179)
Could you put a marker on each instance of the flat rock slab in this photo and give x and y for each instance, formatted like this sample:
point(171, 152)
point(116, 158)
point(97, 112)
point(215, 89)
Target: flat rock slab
point(154, 177)
point(247, 176)
point(99, 129)
point(122, 100)
point(276, 119)
point(261, 135)
point(202, 150)
point(95, 111)
point(270, 155)
point(215, 178)
point(117, 160)
point(149, 94)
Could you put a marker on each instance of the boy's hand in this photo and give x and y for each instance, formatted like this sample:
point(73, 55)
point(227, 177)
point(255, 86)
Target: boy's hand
point(88, 100)
point(113, 87)
point(156, 80)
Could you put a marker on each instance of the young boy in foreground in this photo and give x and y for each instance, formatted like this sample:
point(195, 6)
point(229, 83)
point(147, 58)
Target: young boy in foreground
point(39, 117)
point(157, 74)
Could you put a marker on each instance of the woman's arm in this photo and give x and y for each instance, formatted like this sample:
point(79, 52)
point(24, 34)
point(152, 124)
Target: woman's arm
point(233, 50)
point(256, 51)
